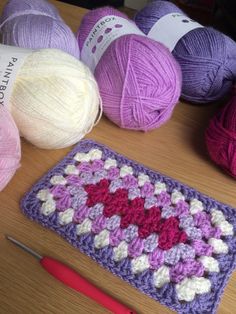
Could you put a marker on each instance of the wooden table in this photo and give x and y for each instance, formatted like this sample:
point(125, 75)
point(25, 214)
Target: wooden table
point(177, 149)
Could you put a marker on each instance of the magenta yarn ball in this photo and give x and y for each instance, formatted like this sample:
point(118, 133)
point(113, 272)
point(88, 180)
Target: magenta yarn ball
point(36, 24)
point(138, 78)
point(220, 137)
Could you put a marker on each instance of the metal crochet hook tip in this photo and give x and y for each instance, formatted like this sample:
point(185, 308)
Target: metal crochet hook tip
point(24, 247)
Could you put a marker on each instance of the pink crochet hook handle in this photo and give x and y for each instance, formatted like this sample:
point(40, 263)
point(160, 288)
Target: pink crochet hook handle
point(73, 280)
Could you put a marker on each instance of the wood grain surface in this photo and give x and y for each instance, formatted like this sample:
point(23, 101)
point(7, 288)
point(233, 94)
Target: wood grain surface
point(176, 149)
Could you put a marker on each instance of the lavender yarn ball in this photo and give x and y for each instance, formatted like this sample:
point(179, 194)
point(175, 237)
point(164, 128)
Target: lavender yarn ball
point(138, 78)
point(36, 24)
point(206, 56)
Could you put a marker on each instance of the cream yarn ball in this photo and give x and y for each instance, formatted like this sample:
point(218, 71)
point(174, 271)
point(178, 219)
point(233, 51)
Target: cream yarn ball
point(55, 99)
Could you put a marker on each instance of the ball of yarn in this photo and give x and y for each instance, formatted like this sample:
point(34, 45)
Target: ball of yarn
point(36, 24)
point(10, 151)
point(207, 57)
point(221, 137)
point(55, 99)
point(138, 78)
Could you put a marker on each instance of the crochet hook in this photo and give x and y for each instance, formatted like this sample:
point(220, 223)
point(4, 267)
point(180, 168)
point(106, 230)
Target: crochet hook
point(72, 279)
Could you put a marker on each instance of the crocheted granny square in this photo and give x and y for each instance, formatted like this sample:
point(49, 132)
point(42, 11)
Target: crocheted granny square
point(166, 239)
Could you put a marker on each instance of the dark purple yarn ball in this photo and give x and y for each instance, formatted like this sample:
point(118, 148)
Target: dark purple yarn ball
point(206, 56)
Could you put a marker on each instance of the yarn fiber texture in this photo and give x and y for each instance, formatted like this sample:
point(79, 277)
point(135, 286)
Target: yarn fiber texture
point(206, 56)
point(10, 150)
point(36, 24)
point(55, 99)
point(138, 78)
point(221, 137)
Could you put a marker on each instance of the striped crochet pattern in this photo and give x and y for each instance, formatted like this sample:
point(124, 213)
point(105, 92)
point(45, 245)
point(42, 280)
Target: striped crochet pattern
point(166, 239)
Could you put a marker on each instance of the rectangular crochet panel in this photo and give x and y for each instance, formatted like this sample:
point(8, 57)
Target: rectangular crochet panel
point(171, 242)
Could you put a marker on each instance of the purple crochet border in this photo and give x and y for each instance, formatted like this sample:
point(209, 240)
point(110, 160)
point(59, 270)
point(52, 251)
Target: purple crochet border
point(202, 304)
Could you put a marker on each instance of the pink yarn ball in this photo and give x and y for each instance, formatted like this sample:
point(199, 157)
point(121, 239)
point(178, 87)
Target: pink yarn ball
point(10, 150)
point(138, 78)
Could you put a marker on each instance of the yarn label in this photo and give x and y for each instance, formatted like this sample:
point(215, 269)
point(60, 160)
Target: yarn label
point(11, 60)
point(104, 32)
point(169, 29)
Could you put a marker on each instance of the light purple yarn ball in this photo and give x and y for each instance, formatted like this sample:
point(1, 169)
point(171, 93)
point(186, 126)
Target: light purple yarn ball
point(138, 78)
point(207, 57)
point(36, 24)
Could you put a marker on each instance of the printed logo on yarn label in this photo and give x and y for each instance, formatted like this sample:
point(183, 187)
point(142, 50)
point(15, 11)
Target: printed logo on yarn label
point(11, 60)
point(169, 29)
point(104, 32)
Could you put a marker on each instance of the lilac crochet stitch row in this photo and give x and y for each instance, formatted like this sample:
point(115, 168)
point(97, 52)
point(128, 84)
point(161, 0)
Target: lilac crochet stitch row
point(204, 303)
